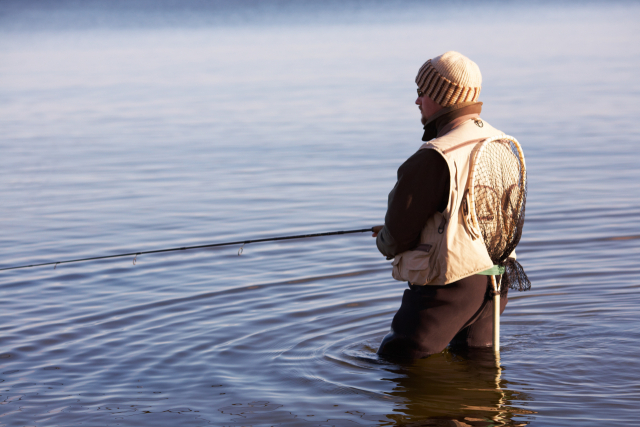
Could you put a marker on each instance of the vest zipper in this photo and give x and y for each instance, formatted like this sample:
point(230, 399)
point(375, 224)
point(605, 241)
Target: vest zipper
point(442, 224)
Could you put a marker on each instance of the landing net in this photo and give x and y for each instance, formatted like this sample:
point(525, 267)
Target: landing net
point(498, 195)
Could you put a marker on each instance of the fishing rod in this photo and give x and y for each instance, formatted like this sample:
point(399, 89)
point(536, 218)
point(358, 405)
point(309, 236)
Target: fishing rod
point(184, 248)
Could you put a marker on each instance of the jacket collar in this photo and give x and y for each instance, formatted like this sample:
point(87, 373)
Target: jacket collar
point(439, 121)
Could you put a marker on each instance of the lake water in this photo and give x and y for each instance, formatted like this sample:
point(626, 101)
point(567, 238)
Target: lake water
point(141, 126)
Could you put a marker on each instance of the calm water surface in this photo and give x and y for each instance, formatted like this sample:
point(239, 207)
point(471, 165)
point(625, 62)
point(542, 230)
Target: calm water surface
point(129, 130)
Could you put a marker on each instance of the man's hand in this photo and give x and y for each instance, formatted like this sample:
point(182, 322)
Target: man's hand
point(376, 230)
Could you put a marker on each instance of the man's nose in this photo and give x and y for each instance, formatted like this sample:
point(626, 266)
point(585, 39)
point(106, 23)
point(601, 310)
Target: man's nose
point(418, 101)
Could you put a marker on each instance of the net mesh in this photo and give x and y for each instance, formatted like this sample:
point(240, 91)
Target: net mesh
point(500, 194)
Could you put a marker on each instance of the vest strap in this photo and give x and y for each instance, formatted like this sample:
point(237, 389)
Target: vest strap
point(496, 270)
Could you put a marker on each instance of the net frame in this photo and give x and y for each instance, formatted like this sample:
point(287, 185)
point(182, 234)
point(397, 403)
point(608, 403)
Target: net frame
point(473, 184)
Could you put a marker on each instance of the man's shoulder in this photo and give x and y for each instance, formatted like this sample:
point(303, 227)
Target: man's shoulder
point(421, 159)
point(467, 131)
point(424, 154)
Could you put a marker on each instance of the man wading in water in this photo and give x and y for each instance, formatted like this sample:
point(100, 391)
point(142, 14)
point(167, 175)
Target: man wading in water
point(447, 301)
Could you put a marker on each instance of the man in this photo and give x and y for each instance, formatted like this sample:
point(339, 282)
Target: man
point(426, 228)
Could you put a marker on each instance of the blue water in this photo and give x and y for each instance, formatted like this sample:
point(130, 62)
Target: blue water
point(133, 126)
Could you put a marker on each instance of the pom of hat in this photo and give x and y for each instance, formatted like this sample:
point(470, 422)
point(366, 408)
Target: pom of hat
point(450, 79)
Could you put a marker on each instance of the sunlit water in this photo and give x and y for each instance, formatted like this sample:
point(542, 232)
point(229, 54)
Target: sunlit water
point(122, 134)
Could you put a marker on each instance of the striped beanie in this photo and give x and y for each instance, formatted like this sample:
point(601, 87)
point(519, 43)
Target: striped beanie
point(449, 79)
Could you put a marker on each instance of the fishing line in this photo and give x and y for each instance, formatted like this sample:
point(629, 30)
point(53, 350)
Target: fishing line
point(184, 248)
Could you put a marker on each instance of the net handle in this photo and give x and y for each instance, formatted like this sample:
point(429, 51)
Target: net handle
point(496, 315)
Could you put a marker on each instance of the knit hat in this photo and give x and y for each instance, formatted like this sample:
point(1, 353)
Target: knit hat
point(449, 79)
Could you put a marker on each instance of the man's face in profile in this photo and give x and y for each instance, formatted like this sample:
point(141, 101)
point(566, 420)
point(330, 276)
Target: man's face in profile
point(427, 106)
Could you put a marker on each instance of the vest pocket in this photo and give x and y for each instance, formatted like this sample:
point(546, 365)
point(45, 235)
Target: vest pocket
point(420, 265)
point(414, 266)
point(465, 214)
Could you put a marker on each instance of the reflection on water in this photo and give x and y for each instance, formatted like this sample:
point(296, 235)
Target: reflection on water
point(457, 388)
point(137, 134)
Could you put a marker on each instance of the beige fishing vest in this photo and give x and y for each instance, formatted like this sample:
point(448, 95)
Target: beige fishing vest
point(449, 248)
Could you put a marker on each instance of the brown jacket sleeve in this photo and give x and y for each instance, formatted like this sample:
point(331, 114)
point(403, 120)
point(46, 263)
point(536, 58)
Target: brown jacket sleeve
point(421, 190)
